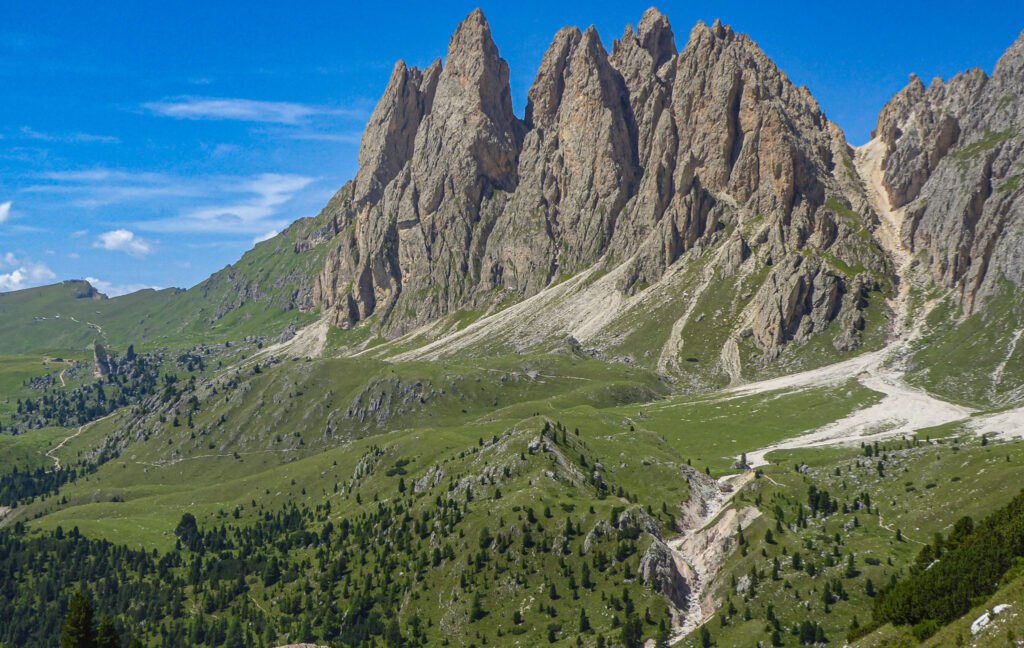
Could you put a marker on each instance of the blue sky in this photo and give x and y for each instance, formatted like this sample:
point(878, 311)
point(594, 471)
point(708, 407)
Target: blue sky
point(150, 144)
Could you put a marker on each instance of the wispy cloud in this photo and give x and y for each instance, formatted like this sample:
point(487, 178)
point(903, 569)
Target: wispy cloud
point(247, 205)
point(5, 211)
point(94, 188)
point(254, 209)
point(23, 273)
point(122, 240)
point(247, 110)
point(68, 138)
point(116, 290)
point(315, 136)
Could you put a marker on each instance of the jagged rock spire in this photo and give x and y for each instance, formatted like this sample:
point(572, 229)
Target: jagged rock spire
point(387, 142)
point(635, 158)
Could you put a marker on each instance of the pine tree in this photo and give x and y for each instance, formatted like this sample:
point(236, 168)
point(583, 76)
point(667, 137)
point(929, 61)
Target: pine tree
point(584, 621)
point(705, 637)
point(78, 631)
point(235, 638)
point(851, 568)
point(107, 635)
point(633, 632)
point(476, 611)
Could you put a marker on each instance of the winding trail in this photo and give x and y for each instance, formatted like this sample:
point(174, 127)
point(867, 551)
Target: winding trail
point(97, 327)
point(81, 428)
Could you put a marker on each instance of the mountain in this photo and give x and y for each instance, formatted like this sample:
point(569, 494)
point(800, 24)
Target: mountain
point(635, 177)
point(263, 294)
point(664, 360)
point(950, 168)
point(951, 165)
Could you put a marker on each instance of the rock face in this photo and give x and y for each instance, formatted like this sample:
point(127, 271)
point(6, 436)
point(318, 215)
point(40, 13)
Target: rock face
point(658, 569)
point(639, 162)
point(952, 163)
point(100, 361)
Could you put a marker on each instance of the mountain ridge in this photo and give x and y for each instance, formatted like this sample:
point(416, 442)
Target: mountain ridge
point(621, 159)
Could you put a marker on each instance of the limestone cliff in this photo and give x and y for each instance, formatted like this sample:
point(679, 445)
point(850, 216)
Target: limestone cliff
point(641, 164)
point(952, 162)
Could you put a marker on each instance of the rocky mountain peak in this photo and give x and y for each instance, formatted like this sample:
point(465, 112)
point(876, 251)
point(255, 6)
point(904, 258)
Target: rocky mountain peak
point(628, 164)
point(654, 34)
point(951, 151)
point(1010, 66)
point(390, 134)
point(469, 138)
point(545, 94)
point(474, 71)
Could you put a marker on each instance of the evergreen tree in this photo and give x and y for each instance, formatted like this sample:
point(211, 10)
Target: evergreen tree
point(633, 632)
point(584, 621)
point(107, 635)
point(705, 637)
point(78, 631)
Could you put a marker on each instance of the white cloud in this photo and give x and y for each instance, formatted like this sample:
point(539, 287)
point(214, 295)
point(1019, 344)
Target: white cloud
point(253, 212)
point(24, 274)
point(116, 290)
point(268, 191)
point(249, 110)
point(93, 188)
point(351, 137)
point(235, 205)
point(68, 138)
point(122, 240)
point(5, 211)
point(265, 237)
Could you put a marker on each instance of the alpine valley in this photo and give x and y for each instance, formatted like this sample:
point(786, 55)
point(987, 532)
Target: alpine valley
point(664, 361)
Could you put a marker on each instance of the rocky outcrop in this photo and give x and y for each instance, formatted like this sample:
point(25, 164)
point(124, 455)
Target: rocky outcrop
point(100, 361)
point(637, 518)
point(637, 162)
point(659, 570)
point(952, 162)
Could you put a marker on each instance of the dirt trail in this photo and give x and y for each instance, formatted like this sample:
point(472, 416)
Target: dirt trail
point(82, 428)
point(902, 410)
point(97, 327)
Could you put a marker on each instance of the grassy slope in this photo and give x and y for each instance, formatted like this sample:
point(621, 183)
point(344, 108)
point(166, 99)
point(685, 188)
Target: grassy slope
point(924, 490)
point(265, 439)
point(957, 359)
point(252, 297)
point(281, 415)
point(1005, 630)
